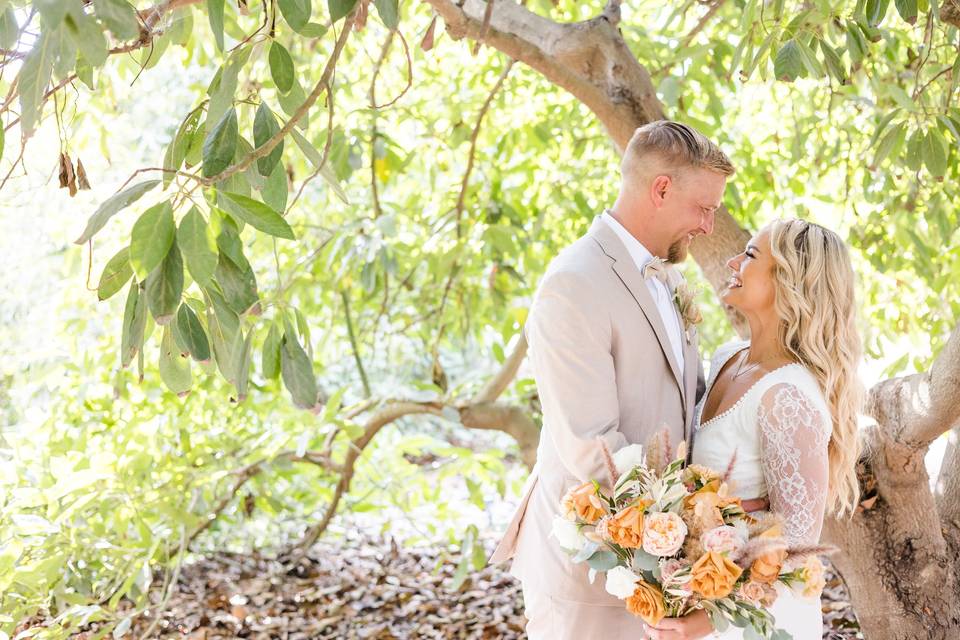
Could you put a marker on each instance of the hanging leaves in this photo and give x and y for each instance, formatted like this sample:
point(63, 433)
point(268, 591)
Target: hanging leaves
point(174, 367)
point(281, 67)
point(265, 127)
point(119, 16)
point(297, 371)
point(788, 64)
point(270, 360)
point(220, 144)
point(295, 12)
point(340, 8)
point(115, 274)
point(150, 238)
point(256, 214)
point(189, 333)
point(112, 206)
point(164, 286)
point(134, 324)
point(215, 14)
point(198, 246)
point(389, 12)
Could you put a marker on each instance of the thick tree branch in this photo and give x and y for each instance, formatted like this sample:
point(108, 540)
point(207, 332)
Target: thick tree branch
point(502, 379)
point(509, 419)
point(915, 409)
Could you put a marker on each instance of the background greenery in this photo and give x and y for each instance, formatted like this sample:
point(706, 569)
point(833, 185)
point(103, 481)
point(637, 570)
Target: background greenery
point(423, 233)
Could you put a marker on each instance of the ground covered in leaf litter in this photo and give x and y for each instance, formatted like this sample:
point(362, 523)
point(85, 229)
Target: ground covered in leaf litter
point(370, 589)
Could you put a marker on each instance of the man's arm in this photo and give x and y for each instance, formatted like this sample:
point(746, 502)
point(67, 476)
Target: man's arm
point(571, 350)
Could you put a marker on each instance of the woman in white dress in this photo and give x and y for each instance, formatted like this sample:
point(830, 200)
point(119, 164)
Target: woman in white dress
point(783, 406)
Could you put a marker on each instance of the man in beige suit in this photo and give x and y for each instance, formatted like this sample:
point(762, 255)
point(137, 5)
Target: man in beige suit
point(612, 359)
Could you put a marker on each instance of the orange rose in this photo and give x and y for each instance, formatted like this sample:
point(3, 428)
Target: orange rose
point(766, 568)
point(626, 528)
point(714, 575)
point(583, 502)
point(647, 603)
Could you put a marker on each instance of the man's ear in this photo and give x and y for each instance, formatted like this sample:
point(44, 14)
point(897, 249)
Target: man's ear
point(658, 189)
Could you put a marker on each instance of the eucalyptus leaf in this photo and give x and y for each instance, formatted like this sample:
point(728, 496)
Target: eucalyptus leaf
point(256, 214)
point(215, 14)
point(270, 359)
point(191, 335)
point(295, 12)
point(119, 16)
point(174, 367)
point(151, 237)
point(220, 144)
point(264, 128)
point(281, 67)
point(165, 286)
point(134, 324)
point(789, 62)
point(389, 12)
point(198, 246)
point(116, 274)
point(113, 205)
point(297, 372)
point(340, 8)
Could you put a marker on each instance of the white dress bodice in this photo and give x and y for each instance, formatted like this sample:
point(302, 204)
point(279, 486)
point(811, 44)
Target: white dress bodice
point(774, 441)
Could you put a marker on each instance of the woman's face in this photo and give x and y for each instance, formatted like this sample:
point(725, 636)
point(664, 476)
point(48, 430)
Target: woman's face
point(751, 288)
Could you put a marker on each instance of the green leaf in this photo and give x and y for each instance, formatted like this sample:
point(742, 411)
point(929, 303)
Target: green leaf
point(112, 206)
point(190, 334)
point(221, 144)
point(165, 286)
point(215, 13)
point(87, 34)
point(907, 10)
point(151, 238)
point(893, 137)
point(913, 157)
point(809, 59)
point(789, 63)
point(833, 62)
point(198, 246)
point(256, 214)
point(296, 13)
point(177, 149)
point(292, 101)
point(265, 127)
point(223, 86)
point(52, 12)
point(297, 371)
point(340, 8)
point(603, 560)
point(389, 12)
point(241, 378)
point(9, 28)
point(33, 80)
point(115, 274)
point(934, 153)
point(857, 45)
point(271, 354)
point(134, 323)
point(174, 367)
point(119, 16)
point(876, 10)
point(313, 30)
point(238, 283)
point(275, 191)
point(281, 67)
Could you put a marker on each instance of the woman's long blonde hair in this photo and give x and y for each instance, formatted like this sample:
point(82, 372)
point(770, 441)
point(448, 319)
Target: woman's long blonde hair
point(815, 300)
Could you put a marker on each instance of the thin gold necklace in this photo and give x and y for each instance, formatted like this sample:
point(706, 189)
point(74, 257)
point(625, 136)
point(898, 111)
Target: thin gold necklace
point(751, 367)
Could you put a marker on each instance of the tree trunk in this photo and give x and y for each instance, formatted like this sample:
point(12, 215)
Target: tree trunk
point(899, 551)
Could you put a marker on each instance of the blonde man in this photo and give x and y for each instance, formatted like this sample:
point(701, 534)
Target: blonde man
point(612, 360)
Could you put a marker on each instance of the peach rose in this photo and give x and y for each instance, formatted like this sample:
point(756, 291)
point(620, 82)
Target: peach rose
point(626, 528)
point(713, 575)
point(663, 533)
point(724, 539)
point(766, 568)
point(584, 503)
point(647, 603)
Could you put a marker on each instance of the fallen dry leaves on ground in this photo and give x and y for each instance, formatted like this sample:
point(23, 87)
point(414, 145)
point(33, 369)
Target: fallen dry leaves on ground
point(370, 589)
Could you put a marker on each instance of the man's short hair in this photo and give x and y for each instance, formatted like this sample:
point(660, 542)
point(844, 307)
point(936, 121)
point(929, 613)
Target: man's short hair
point(666, 146)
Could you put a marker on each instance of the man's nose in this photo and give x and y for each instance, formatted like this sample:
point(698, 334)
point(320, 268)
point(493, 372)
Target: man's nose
point(706, 223)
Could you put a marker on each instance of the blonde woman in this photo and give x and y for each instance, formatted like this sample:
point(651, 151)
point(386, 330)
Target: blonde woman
point(785, 403)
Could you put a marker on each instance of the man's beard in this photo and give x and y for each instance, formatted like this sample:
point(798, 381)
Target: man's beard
point(677, 252)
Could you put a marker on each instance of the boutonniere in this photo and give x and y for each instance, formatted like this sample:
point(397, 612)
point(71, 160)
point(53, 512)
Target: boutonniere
point(684, 296)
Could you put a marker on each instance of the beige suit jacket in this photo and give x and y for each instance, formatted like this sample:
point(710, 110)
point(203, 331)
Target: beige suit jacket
point(604, 368)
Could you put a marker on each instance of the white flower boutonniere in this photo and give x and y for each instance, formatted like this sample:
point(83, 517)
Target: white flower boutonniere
point(684, 296)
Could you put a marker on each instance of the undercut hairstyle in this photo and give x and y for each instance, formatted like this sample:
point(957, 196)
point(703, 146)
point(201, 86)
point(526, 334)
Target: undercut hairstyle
point(667, 147)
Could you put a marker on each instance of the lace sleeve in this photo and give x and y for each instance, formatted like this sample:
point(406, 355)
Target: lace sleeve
point(793, 438)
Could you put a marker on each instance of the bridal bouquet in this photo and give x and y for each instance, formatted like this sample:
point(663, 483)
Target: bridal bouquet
point(672, 539)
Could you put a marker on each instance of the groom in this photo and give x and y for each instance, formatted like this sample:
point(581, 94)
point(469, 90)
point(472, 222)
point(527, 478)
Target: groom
point(612, 359)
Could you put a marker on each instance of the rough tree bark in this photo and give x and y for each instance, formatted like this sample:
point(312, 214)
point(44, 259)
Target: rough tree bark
point(900, 552)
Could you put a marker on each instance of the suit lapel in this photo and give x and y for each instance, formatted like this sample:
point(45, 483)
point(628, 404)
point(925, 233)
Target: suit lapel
point(631, 278)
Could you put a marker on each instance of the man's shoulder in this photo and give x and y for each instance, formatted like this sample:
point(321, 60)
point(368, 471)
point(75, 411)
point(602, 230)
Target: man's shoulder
point(584, 258)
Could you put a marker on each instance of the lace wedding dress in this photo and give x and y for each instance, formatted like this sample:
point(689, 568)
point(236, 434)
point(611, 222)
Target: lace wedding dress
point(778, 431)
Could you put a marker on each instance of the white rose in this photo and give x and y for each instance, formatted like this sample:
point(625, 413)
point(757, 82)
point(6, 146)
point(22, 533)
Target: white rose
point(567, 534)
point(628, 457)
point(621, 582)
point(663, 533)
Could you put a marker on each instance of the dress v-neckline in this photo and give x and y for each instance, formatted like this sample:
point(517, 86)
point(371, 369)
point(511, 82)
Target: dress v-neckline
point(739, 401)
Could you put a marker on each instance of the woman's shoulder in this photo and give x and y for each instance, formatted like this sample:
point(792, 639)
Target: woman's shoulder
point(795, 382)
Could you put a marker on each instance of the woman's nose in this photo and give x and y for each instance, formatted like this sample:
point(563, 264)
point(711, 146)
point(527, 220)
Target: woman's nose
point(734, 263)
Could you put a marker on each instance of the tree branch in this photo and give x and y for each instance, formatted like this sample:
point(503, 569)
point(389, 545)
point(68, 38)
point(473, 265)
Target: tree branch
point(915, 409)
point(502, 379)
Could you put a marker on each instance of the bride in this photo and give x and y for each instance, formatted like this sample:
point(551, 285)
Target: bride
point(783, 407)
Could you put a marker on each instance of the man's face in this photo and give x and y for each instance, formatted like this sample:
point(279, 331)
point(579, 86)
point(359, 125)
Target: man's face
point(688, 207)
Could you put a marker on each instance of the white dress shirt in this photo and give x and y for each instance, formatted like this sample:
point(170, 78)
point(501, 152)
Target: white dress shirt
point(659, 290)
